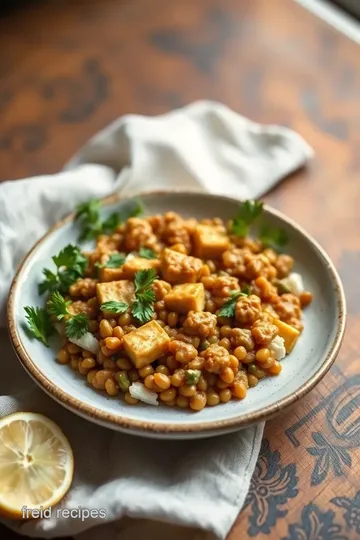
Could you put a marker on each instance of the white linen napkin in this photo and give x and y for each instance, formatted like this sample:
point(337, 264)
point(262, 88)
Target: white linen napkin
point(163, 486)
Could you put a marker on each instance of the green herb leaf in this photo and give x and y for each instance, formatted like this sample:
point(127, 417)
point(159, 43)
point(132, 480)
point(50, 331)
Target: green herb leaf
point(114, 307)
point(192, 376)
point(110, 223)
point(88, 211)
point(143, 309)
point(115, 260)
point(144, 279)
point(88, 214)
point(77, 326)
point(71, 257)
point(143, 306)
point(228, 308)
point(70, 263)
point(136, 209)
point(147, 253)
point(39, 323)
point(58, 306)
point(274, 238)
point(50, 283)
point(247, 215)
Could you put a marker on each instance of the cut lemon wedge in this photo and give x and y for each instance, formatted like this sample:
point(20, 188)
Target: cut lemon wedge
point(36, 464)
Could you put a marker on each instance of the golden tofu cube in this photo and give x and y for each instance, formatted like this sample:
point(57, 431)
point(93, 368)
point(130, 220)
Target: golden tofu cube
point(110, 274)
point(118, 291)
point(135, 264)
point(186, 297)
point(210, 241)
point(128, 269)
point(179, 268)
point(288, 333)
point(146, 344)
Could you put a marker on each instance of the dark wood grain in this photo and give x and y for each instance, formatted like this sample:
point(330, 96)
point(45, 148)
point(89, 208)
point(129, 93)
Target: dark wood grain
point(69, 68)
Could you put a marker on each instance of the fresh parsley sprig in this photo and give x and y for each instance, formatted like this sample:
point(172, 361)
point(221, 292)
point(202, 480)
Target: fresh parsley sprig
point(143, 306)
point(39, 323)
point(248, 213)
point(147, 253)
point(114, 307)
point(70, 265)
point(228, 308)
point(144, 279)
point(272, 237)
point(58, 306)
point(115, 260)
point(75, 325)
point(88, 215)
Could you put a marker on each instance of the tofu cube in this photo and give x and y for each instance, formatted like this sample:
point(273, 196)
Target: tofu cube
point(146, 344)
point(119, 291)
point(128, 269)
point(288, 333)
point(210, 241)
point(135, 264)
point(179, 268)
point(186, 297)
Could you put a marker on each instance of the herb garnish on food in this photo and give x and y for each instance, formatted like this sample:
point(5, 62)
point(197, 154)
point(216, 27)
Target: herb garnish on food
point(115, 260)
point(147, 253)
point(88, 215)
point(273, 238)
point(114, 307)
point(39, 323)
point(228, 308)
point(70, 264)
point(75, 325)
point(247, 215)
point(143, 307)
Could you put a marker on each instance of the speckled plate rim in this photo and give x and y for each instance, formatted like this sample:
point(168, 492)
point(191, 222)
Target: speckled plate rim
point(142, 427)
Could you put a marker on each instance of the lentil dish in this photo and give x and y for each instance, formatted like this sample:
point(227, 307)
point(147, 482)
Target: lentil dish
point(166, 309)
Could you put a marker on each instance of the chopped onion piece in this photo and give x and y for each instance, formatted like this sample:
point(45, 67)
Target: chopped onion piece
point(278, 346)
point(294, 283)
point(139, 391)
point(87, 342)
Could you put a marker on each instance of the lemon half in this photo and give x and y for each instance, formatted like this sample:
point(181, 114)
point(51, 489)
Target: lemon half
point(36, 464)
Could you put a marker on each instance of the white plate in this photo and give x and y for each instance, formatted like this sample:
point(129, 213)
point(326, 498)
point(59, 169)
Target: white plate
point(302, 369)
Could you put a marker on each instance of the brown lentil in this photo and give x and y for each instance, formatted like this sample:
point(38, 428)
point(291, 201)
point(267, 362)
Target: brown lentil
point(225, 395)
point(212, 397)
point(168, 395)
point(105, 329)
point(198, 401)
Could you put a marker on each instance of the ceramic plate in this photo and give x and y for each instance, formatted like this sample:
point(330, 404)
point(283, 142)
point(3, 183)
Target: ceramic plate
point(302, 369)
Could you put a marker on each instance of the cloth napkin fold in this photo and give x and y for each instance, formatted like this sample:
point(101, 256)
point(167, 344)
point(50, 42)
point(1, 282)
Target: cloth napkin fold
point(148, 488)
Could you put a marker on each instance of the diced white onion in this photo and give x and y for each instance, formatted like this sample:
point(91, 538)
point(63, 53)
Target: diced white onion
point(129, 257)
point(87, 342)
point(294, 283)
point(278, 346)
point(139, 391)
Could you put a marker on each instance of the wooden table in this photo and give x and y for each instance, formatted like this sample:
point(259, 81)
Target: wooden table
point(70, 67)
